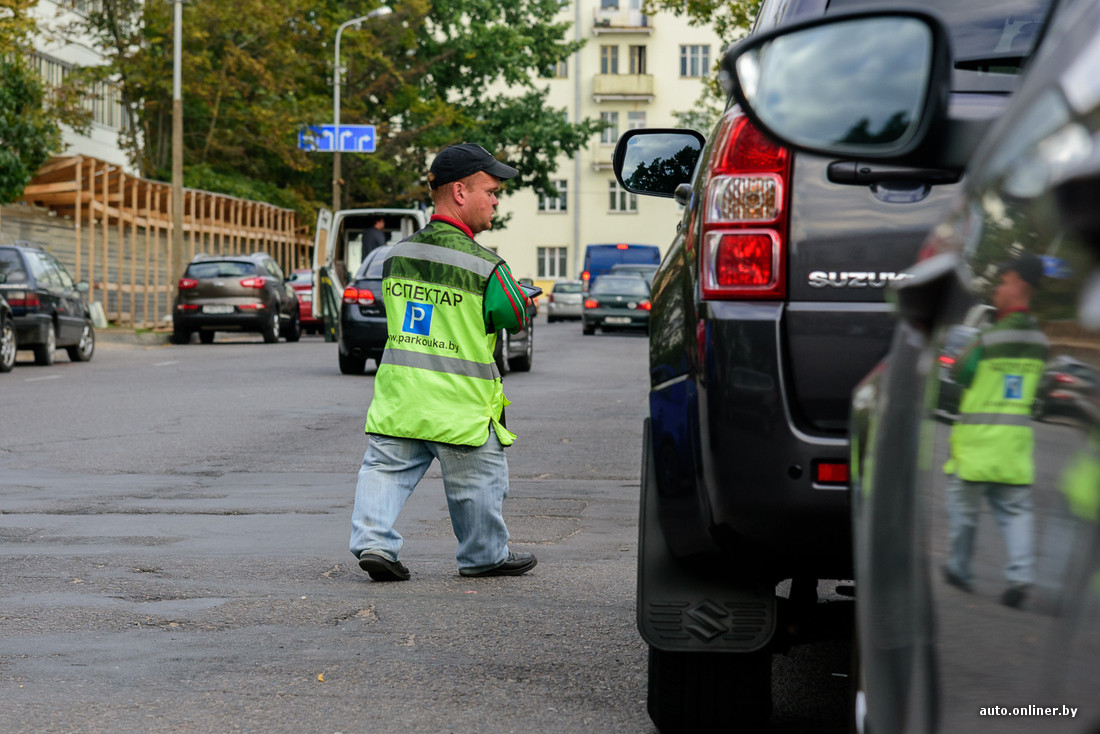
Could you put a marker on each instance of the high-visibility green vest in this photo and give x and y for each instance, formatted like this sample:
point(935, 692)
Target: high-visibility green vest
point(438, 380)
point(992, 440)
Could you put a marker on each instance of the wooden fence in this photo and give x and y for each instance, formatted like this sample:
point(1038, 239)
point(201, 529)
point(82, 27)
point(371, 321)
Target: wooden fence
point(121, 233)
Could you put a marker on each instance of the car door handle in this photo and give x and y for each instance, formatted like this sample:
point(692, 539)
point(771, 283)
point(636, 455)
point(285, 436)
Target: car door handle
point(856, 173)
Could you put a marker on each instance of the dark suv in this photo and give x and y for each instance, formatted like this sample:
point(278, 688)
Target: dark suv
point(47, 304)
point(766, 311)
point(235, 293)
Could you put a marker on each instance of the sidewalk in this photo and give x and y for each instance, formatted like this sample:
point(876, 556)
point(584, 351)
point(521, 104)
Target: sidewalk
point(125, 335)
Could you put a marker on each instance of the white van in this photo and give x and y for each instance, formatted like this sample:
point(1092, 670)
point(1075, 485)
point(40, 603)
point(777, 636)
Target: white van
point(338, 249)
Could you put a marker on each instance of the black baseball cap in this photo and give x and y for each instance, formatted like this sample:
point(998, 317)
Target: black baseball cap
point(465, 159)
point(1028, 266)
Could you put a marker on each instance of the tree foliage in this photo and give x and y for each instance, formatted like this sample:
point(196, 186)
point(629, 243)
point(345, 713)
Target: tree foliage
point(255, 73)
point(731, 19)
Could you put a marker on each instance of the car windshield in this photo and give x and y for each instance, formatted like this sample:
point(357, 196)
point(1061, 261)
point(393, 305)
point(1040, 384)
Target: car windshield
point(301, 276)
point(371, 269)
point(626, 286)
point(567, 288)
point(221, 269)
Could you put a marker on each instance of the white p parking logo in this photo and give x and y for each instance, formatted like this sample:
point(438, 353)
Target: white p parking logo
point(418, 318)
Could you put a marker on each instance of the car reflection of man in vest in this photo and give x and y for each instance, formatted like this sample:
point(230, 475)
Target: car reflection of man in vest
point(438, 394)
point(992, 442)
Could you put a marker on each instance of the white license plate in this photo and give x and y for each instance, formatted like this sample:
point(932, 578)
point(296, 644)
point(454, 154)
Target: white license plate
point(617, 320)
point(217, 309)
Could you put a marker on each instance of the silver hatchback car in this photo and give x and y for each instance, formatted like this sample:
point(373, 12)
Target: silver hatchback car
point(566, 301)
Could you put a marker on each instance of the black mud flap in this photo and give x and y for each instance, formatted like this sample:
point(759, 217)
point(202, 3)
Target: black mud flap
point(687, 607)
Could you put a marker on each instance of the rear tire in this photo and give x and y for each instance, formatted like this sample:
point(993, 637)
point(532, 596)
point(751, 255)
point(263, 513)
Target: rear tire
point(350, 364)
point(84, 349)
point(206, 336)
point(588, 329)
point(271, 330)
point(294, 328)
point(523, 362)
point(180, 336)
point(8, 345)
point(706, 691)
point(44, 353)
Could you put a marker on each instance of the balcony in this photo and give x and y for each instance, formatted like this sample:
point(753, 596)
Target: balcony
point(620, 21)
point(622, 87)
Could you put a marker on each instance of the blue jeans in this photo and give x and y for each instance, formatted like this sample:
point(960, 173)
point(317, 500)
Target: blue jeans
point(1012, 509)
point(475, 479)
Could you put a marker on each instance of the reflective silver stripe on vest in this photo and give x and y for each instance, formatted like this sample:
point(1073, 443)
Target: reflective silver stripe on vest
point(445, 255)
point(994, 419)
point(1015, 336)
point(439, 363)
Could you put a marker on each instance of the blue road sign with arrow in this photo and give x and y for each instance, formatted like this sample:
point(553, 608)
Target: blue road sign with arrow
point(322, 138)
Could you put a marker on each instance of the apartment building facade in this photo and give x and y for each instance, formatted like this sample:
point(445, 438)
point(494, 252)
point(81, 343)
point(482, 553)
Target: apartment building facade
point(57, 51)
point(635, 70)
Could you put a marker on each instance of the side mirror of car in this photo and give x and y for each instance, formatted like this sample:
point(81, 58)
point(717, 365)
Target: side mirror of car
point(655, 162)
point(869, 85)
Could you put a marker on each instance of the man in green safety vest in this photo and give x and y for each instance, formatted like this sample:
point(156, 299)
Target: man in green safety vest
point(438, 393)
point(992, 441)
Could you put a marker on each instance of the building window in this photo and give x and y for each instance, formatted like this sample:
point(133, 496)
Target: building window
point(694, 60)
point(609, 59)
point(559, 70)
point(609, 4)
point(552, 262)
point(621, 200)
point(102, 99)
point(610, 135)
point(559, 203)
point(635, 120)
point(637, 59)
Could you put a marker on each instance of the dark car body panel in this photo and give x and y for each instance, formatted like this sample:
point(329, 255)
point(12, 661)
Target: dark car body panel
point(34, 274)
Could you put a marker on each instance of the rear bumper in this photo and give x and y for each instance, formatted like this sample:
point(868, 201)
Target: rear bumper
point(616, 318)
point(734, 469)
point(362, 336)
point(31, 329)
point(238, 321)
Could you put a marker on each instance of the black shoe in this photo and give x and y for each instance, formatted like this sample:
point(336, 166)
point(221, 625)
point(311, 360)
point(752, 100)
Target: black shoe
point(383, 569)
point(516, 565)
point(1014, 597)
point(955, 580)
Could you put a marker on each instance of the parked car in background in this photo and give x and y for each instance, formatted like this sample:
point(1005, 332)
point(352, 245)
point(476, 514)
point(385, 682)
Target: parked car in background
point(361, 331)
point(235, 293)
point(301, 281)
point(8, 343)
point(47, 304)
point(934, 646)
point(950, 392)
point(516, 352)
point(599, 259)
point(615, 302)
point(1068, 387)
point(565, 301)
point(767, 310)
point(645, 271)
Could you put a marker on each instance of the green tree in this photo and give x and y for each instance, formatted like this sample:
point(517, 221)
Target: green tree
point(27, 135)
point(254, 74)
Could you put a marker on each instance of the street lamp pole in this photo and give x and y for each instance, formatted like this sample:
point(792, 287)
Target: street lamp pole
point(178, 260)
point(337, 70)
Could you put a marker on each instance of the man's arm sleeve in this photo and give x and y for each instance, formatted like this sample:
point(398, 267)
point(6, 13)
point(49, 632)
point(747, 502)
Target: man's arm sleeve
point(505, 304)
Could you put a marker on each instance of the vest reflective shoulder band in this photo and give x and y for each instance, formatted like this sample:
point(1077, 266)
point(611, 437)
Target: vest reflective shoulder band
point(437, 380)
point(992, 441)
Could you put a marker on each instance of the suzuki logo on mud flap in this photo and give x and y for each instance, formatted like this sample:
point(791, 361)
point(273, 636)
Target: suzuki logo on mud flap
point(854, 279)
point(418, 318)
point(709, 620)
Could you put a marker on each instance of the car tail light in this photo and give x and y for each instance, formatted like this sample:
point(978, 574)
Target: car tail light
point(591, 303)
point(188, 283)
point(946, 361)
point(257, 282)
point(23, 299)
point(831, 472)
point(645, 306)
point(743, 243)
point(251, 306)
point(622, 246)
point(550, 298)
point(586, 276)
point(362, 296)
point(1065, 379)
point(188, 307)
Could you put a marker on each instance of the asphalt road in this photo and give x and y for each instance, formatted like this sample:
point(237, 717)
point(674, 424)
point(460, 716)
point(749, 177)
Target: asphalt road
point(173, 539)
